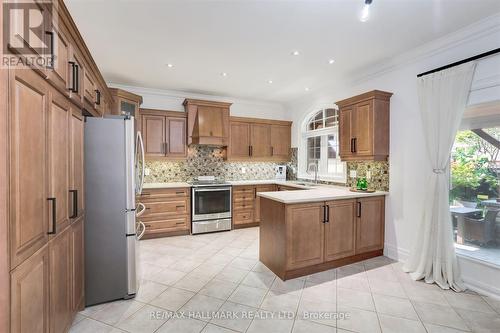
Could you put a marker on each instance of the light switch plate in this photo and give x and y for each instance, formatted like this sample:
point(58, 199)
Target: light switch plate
point(147, 171)
point(243, 170)
point(353, 174)
point(368, 174)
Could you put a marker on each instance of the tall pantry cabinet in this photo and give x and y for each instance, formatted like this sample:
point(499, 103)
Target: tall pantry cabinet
point(42, 208)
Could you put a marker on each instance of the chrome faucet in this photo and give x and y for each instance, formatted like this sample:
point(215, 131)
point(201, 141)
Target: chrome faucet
point(315, 165)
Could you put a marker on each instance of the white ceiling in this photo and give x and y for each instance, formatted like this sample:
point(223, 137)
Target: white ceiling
point(132, 41)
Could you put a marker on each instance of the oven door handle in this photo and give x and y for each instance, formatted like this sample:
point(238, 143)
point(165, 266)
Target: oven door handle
point(211, 189)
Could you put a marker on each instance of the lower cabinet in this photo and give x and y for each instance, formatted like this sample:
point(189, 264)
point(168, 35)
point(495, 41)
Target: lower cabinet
point(29, 294)
point(300, 239)
point(78, 265)
point(60, 282)
point(246, 204)
point(47, 289)
point(166, 212)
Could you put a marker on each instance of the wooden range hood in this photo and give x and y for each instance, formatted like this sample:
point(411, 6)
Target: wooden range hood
point(208, 122)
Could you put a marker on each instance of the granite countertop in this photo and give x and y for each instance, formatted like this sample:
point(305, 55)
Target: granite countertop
point(165, 185)
point(319, 193)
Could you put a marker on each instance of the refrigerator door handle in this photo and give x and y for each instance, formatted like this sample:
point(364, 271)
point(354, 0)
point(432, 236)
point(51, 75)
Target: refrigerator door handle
point(141, 211)
point(143, 226)
point(140, 145)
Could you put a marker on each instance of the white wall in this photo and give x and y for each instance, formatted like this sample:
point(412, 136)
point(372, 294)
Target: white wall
point(408, 161)
point(172, 100)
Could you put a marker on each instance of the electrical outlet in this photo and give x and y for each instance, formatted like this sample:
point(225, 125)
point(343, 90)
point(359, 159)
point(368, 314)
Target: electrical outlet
point(368, 174)
point(243, 170)
point(147, 171)
point(353, 174)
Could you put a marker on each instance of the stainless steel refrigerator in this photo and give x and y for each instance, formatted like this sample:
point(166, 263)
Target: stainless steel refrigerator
point(114, 173)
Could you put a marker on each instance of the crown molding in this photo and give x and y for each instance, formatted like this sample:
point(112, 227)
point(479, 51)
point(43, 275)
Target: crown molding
point(485, 27)
point(189, 95)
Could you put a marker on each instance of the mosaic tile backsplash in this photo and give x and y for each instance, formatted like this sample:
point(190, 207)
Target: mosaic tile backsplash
point(206, 160)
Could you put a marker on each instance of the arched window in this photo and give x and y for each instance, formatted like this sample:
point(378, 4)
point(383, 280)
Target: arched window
point(320, 146)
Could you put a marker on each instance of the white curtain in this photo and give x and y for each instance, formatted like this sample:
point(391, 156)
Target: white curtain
point(442, 97)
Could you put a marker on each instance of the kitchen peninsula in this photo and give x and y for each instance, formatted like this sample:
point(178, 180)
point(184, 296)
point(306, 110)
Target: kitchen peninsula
point(308, 231)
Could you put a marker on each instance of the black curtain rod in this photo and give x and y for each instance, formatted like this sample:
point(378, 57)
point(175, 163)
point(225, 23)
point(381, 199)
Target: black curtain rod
point(479, 56)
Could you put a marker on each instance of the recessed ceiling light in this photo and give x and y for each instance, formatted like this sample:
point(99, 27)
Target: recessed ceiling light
point(170, 65)
point(306, 88)
point(365, 13)
point(331, 61)
point(270, 81)
point(295, 53)
point(224, 74)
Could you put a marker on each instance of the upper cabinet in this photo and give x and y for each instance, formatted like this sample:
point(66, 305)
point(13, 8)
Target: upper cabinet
point(125, 103)
point(259, 139)
point(164, 134)
point(208, 122)
point(364, 126)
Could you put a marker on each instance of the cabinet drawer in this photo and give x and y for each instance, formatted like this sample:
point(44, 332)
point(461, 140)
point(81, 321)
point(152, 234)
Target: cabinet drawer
point(243, 217)
point(243, 196)
point(164, 193)
point(243, 190)
point(243, 205)
point(180, 206)
point(166, 223)
point(266, 188)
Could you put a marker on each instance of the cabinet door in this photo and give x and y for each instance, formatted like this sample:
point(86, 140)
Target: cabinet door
point(345, 131)
point(59, 156)
point(89, 88)
point(210, 120)
point(60, 307)
point(176, 137)
point(77, 265)
point(261, 188)
point(76, 70)
point(370, 224)
point(153, 132)
point(340, 231)
point(305, 235)
point(239, 141)
point(281, 137)
point(29, 294)
point(76, 161)
point(363, 144)
point(60, 72)
point(260, 140)
point(29, 208)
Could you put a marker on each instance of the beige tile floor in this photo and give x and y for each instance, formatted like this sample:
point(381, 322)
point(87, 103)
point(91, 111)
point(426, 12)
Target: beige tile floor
point(215, 283)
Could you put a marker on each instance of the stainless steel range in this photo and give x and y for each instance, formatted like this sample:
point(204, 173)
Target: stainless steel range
point(211, 205)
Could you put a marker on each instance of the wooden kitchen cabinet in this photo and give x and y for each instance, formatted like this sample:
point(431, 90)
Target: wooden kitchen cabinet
point(77, 240)
point(246, 204)
point(77, 181)
point(370, 224)
point(167, 212)
point(254, 139)
point(29, 294)
point(364, 126)
point(60, 283)
point(301, 239)
point(164, 134)
point(305, 235)
point(208, 122)
point(340, 231)
point(29, 205)
point(59, 75)
point(125, 102)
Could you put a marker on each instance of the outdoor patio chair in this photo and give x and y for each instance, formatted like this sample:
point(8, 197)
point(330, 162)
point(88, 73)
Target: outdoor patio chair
point(481, 230)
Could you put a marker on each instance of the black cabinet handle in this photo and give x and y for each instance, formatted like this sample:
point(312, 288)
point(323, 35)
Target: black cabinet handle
point(249, 150)
point(359, 209)
point(54, 211)
point(51, 34)
point(355, 141)
point(75, 203)
point(327, 213)
point(98, 97)
point(324, 213)
point(75, 70)
point(255, 193)
point(272, 151)
point(352, 151)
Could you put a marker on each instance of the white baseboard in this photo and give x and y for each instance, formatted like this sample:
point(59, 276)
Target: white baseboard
point(483, 289)
point(396, 253)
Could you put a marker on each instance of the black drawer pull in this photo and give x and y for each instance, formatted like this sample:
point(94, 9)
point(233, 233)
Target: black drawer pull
point(54, 219)
point(359, 209)
point(52, 57)
point(98, 97)
point(327, 213)
point(182, 206)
